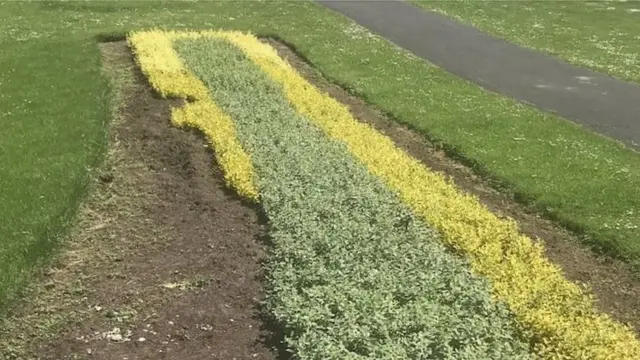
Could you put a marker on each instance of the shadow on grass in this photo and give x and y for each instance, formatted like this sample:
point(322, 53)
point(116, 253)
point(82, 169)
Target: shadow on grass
point(111, 37)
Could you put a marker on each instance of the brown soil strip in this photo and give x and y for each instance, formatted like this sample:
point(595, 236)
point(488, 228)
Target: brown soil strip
point(615, 285)
point(165, 263)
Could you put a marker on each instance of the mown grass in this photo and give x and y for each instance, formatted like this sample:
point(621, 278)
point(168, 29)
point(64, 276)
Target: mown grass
point(52, 131)
point(54, 106)
point(602, 35)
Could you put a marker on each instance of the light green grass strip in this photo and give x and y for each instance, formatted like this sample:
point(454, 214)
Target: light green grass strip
point(353, 275)
point(602, 35)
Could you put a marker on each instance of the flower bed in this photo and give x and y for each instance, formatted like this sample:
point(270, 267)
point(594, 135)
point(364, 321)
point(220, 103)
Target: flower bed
point(356, 271)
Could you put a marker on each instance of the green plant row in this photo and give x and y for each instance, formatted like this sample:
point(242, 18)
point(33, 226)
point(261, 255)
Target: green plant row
point(353, 274)
point(561, 317)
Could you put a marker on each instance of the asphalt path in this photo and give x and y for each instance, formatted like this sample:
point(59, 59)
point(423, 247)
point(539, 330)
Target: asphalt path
point(604, 104)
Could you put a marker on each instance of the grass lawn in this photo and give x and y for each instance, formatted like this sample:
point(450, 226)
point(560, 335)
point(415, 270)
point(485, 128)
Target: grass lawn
point(602, 35)
point(54, 105)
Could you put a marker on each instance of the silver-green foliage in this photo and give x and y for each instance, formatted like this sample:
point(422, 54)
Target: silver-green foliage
point(352, 274)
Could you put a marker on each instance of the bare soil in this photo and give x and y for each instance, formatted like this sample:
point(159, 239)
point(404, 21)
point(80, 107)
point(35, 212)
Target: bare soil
point(613, 282)
point(164, 263)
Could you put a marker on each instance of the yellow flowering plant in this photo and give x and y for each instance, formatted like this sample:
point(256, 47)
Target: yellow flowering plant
point(168, 75)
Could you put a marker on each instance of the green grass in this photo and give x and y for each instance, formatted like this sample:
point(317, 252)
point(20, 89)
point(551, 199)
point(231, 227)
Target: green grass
point(602, 35)
point(52, 130)
point(54, 105)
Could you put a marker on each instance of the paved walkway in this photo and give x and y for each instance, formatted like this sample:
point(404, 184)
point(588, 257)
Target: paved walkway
point(606, 105)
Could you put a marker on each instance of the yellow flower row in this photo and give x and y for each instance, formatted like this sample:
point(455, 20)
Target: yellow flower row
point(554, 310)
point(163, 67)
point(219, 129)
point(169, 76)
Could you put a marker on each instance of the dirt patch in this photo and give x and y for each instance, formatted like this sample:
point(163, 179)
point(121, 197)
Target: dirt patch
point(165, 262)
point(614, 283)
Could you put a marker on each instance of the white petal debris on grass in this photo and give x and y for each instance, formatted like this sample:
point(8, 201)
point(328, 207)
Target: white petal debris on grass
point(114, 335)
point(117, 335)
point(357, 32)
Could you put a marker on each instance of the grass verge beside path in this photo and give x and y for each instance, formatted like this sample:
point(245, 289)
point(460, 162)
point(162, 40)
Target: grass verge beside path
point(353, 274)
point(602, 35)
point(53, 108)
